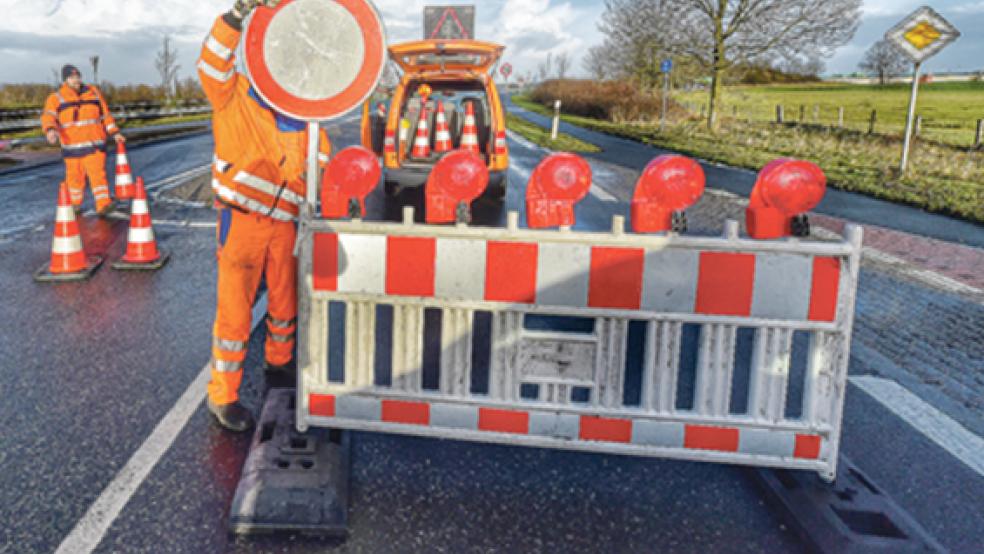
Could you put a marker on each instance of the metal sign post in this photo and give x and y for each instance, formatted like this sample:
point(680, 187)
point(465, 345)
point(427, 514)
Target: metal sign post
point(920, 36)
point(666, 68)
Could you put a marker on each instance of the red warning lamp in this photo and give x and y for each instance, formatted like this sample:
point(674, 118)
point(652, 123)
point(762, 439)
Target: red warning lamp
point(455, 181)
point(556, 185)
point(352, 174)
point(668, 186)
point(785, 191)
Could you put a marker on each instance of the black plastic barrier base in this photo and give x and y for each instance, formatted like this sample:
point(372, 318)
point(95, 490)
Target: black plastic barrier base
point(292, 482)
point(44, 274)
point(850, 515)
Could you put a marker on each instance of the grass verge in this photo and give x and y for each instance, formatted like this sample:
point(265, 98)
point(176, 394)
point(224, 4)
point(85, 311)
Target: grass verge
point(941, 179)
point(541, 137)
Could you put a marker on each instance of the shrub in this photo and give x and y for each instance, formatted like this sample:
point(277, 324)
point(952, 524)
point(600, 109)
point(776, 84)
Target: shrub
point(608, 100)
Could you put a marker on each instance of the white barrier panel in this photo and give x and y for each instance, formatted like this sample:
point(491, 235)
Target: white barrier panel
point(395, 320)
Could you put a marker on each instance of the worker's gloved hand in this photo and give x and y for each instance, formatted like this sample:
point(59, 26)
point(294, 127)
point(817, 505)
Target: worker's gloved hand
point(242, 8)
point(52, 137)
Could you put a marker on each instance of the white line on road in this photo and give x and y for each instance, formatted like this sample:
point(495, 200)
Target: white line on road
point(934, 424)
point(90, 530)
point(176, 180)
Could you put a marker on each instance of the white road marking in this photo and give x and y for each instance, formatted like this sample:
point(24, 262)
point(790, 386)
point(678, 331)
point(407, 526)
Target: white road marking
point(90, 530)
point(600, 193)
point(176, 180)
point(934, 424)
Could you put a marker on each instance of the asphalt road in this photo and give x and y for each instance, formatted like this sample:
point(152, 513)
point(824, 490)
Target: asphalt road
point(89, 370)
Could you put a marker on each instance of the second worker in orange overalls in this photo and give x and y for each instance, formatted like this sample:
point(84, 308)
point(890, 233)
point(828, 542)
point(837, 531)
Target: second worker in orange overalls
point(258, 179)
point(76, 115)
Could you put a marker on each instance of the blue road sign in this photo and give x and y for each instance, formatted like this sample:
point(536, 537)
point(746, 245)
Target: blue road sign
point(666, 66)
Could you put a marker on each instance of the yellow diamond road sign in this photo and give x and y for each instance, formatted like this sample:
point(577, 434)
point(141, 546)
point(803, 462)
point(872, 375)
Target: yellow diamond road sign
point(923, 34)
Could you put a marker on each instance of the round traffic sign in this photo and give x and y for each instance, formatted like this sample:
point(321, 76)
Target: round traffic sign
point(506, 70)
point(315, 59)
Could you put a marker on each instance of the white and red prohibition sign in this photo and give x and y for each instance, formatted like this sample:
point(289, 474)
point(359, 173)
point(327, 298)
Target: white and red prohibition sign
point(315, 60)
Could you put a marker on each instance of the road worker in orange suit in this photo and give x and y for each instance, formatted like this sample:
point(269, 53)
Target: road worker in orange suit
point(76, 115)
point(258, 179)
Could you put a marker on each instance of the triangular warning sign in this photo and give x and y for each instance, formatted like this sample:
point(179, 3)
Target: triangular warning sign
point(450, 27)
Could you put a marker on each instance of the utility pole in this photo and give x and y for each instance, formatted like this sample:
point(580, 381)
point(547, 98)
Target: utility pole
point(94, 60)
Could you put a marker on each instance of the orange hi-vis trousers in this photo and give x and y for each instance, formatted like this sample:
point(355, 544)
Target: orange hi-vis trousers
point(94, 166)
point(252, 246)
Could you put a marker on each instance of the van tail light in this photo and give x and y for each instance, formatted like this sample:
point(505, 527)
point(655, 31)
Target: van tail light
point(500, 143)
point(389, 144)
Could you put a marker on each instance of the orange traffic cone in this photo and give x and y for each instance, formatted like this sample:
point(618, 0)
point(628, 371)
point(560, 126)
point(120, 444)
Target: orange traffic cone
point(442, 135)
point(68, 259)
point(124, 177)
point(141, 246)
point(421, 146)
point(469, 134)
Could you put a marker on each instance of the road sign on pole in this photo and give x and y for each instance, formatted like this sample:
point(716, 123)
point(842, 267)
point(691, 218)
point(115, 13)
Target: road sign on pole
point(920, 36)
point(449, 22)
point(315, 60)
point(506, 70)
point(666, 67)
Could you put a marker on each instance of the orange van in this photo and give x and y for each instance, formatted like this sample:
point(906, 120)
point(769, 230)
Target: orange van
point(458, 73)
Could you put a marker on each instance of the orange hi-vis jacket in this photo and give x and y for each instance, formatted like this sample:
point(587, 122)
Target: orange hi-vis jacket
point(259, 166)
point(82, 120)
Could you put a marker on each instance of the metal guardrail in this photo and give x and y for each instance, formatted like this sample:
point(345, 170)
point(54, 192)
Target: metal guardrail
point(120, 115)
point(369, 284)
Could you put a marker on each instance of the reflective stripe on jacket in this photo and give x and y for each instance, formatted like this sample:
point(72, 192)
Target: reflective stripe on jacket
point(82, 119)
point(259, 166)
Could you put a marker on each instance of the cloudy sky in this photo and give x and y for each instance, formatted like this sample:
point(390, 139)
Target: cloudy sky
point(38, 35)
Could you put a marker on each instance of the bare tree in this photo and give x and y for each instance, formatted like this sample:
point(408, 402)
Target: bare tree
point(717, 35)
point(639, 33)
point(884, 59)
point(545, 69)
point(598, 63)
point(167, 66)
point(563, 65)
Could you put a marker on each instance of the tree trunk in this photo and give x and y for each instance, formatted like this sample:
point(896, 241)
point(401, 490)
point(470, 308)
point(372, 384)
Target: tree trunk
point(719, 63)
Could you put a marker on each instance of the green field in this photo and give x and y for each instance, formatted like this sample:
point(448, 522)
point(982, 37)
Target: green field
point(950, 110)
point(941, 178)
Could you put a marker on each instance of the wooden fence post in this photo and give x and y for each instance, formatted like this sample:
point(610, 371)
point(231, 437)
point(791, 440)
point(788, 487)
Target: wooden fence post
point(816, 113)
point(840, 117)
point(802, 113)
point(874, 120)
point(918, 128)
point(979, 140)
point(781, 114)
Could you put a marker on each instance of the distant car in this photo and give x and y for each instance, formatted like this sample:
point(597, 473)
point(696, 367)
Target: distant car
point(458, 73)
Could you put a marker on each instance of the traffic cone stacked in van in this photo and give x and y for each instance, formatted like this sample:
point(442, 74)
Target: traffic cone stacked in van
point(67, 254)
point(421, 145)
point(124, 177)
point(141, 245)
point(469, 134)
point(442, 135)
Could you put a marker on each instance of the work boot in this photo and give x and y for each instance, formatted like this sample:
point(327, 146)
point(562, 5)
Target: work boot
point(234, 417)
point(107, 209)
